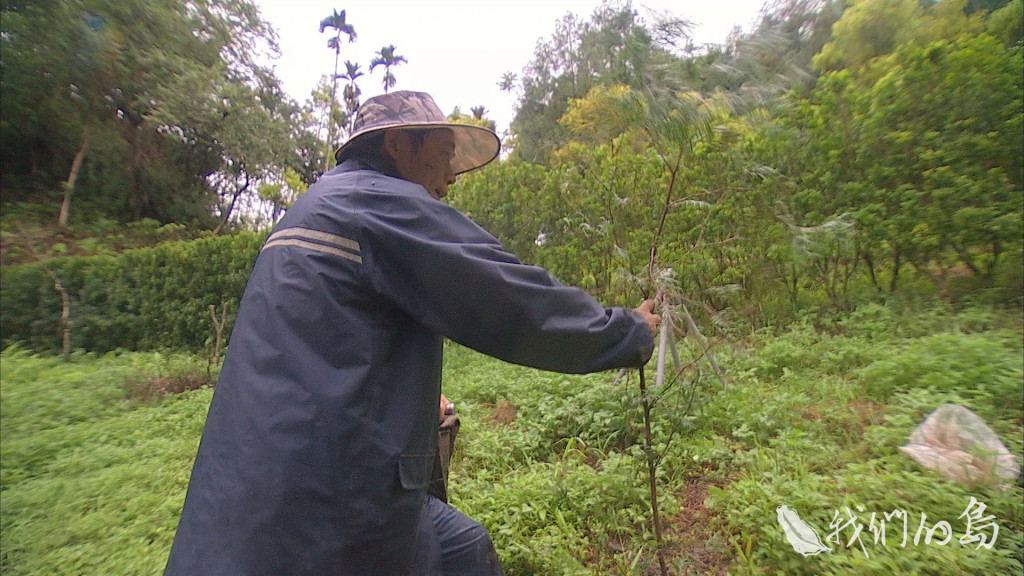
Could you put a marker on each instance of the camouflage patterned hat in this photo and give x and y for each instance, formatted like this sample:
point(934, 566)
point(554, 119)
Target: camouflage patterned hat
point(475, 146)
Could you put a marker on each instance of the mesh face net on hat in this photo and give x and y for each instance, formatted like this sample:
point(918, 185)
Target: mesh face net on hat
point(475, 146)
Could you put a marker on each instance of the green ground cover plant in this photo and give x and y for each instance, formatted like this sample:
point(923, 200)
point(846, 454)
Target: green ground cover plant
point(94, 463)
point(91, 478)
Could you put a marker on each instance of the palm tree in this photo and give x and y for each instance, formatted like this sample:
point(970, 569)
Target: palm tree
point(340, 26)
point(508, 82)
point(387, 58)
point(351, 92)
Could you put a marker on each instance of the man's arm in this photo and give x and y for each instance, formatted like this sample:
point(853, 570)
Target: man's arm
point(452, 276)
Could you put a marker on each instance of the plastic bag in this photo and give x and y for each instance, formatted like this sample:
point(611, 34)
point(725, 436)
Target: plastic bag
point(958, 444)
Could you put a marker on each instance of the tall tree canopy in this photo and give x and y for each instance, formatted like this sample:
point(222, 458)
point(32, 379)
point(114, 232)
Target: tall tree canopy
point(387, 58)
point(339, 24)
point(613, 47)
point(903, 155)
point(142, 108)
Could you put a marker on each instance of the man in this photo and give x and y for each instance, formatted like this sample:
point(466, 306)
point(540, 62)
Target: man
point(321, 436)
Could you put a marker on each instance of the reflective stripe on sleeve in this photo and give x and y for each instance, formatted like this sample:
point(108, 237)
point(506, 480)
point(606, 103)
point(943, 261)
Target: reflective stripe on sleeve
point(324, 242)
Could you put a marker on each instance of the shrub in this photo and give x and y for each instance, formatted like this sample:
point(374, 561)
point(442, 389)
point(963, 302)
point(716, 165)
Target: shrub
point(981, 367)
point(144, 299)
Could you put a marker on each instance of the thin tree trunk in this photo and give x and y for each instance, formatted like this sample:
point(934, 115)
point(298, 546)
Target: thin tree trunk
point(997, 251)
point(218, 329)
point(871, 269)
point(652, 474)
point(65, 317)
point(330, 114)
point(897, 263)
point(231, 206)
point(69, 186)
point(965, 257)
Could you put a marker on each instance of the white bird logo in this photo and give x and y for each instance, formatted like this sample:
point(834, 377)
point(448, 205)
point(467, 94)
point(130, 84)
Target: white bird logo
point(801, 535)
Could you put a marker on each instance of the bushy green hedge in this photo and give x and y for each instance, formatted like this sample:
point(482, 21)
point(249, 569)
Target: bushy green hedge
point(142, 299)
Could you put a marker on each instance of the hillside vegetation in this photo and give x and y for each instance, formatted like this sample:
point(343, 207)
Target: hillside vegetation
point(94, 466)
point(829, 205)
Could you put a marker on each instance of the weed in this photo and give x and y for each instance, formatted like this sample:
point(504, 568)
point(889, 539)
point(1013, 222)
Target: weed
point(93, 478)
point(163, 373)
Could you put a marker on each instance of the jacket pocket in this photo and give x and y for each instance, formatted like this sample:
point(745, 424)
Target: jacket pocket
point(414, 470)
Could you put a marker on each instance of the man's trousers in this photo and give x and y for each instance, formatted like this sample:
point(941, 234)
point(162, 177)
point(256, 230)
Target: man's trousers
point(449, 543)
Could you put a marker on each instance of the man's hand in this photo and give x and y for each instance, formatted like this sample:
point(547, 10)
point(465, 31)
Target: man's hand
point(447, 407)
point(647, 311)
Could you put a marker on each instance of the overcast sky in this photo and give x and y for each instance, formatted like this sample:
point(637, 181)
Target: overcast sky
point(457, 50)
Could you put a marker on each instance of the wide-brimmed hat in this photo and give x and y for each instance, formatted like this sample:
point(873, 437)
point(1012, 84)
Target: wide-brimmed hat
point(475, 146)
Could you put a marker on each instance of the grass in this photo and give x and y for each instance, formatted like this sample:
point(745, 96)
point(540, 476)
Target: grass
point(92, 480)
point(93, 472)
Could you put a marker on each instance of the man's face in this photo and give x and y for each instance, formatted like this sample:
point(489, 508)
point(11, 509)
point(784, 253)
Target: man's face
point(429, 164)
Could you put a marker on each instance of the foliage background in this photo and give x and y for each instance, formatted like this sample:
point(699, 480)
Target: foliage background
point(94, 474)
point(837, 196)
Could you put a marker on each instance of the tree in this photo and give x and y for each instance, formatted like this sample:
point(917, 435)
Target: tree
point(1007, 23)
point(337, 22)
point(507, 83)
point(777, 53)
point(943, 128)
point(246, 124)
point(869, 29)
point(387, 58)
point(99, 96)
point(92, 79)
point(920, 148)
point(351, 92)
point(477, 118)
point(248, 160)
point(678, 128)
point(613, 47)
point(68, 86)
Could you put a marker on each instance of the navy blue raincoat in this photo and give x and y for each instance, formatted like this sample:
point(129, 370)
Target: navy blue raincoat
point(320, 438)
